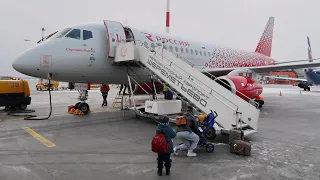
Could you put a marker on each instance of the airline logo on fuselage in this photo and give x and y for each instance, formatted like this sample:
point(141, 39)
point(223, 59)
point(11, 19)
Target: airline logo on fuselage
point(165, 40)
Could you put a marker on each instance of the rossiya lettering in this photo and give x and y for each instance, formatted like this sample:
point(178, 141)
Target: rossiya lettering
point(174, 78)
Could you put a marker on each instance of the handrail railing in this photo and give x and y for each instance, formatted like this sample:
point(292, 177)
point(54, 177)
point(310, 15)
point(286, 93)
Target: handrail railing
point(199, 69)
point(212, 90)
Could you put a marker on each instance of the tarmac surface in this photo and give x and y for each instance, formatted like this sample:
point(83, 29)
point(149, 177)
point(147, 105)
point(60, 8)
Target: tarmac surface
point(108, 145)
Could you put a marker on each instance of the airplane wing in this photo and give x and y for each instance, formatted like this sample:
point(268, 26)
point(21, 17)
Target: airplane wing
point(266, 69)
point(286, 78)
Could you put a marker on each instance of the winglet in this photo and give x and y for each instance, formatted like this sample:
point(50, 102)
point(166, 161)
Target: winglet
point(309, 50)
point(265, 43)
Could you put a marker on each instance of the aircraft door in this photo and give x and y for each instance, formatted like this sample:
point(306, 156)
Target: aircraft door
point(116, 35)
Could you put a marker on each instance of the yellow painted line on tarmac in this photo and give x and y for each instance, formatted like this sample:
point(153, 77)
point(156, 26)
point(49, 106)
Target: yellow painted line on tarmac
point(40, 138)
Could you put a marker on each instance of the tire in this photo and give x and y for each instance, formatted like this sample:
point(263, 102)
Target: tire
point(234, 135)
point(23, 106)
point(308, 88)
point(77, 105)
point(210, 134)
point(84, 107)
point(209, 147)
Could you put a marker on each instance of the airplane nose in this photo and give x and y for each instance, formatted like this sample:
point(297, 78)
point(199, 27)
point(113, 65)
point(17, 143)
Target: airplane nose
point(25, 63)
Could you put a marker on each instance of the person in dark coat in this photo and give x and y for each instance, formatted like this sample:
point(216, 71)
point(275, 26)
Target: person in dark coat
point(165, 128)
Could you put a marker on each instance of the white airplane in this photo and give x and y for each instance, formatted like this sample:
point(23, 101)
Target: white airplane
point(311, 75)
point(85, 54)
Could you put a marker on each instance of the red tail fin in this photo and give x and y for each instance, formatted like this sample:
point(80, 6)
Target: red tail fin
point(265, 43)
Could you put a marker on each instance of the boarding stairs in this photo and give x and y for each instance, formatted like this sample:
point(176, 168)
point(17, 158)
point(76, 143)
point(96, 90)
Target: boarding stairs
point(194, 87)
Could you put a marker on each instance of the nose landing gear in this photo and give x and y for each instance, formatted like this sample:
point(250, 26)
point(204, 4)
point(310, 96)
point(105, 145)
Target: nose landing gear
point(83, 96)
point(83, 106)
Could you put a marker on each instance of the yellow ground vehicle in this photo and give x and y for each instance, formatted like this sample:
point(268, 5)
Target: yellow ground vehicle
point(8, 78)
point(43, 84)
point(14, 93)
point(95, 85)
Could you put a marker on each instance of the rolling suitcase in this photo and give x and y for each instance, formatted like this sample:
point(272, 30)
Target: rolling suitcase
point(240, 147)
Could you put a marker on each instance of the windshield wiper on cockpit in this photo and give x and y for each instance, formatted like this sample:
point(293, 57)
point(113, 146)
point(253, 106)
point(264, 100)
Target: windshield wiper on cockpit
point(46, 37)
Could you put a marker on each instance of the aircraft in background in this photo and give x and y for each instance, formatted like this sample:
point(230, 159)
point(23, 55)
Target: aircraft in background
point(85, 53)
point(311, 75)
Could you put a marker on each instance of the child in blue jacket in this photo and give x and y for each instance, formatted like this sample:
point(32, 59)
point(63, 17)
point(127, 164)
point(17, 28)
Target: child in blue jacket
point(169, 134)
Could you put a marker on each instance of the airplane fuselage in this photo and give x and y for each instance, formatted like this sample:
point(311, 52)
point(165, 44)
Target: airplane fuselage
point(86, 59)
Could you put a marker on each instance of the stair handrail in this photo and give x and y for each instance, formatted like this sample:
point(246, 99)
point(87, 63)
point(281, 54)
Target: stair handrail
point(197, 67)
point(235, 109)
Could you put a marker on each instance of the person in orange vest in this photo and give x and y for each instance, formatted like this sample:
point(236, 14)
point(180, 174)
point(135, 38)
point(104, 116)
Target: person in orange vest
point(260, 101)
point(104, 89)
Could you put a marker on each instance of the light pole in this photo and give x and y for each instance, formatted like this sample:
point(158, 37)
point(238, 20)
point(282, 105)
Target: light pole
point(168, 17)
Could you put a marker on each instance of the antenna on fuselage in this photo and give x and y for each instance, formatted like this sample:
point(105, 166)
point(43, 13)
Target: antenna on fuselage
point(168, 17)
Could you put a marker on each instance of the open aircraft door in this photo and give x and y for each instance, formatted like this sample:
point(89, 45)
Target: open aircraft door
point(116, 34)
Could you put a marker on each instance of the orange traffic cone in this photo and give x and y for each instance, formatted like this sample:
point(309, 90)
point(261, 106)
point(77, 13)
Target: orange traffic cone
point(280, 93)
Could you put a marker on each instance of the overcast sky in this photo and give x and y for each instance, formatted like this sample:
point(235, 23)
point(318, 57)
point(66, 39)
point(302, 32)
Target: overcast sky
point(234, 23)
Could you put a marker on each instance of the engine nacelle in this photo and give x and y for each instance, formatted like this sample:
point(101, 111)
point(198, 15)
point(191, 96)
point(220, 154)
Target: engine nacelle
point(244, 87)
point(147, 87)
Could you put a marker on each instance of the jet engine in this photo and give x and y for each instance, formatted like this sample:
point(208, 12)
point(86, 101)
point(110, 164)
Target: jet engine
point(244, 87)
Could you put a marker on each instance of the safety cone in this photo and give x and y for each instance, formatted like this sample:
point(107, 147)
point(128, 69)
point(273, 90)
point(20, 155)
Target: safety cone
point(280, 93)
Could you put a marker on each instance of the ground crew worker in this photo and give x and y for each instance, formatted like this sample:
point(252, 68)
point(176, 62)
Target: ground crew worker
point(104, 89)
point(260, 101)
point(167, 93)
point(165, 89)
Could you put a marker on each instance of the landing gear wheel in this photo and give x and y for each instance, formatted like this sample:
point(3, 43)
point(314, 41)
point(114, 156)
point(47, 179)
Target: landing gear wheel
point(308, 88)
point(209, 147)
point(84, 107)
point(23, 106)
point(210, 134)
point(77, 105)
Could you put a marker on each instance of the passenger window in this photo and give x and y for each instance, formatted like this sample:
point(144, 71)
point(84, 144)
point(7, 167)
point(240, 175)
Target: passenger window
point(177, 49)
point(87, 35)
point(181, 50)
point(200, 53)
point(75, 34)
point(187, 50)
point(171, 48)
point(205, 53)
point(196, 51)
point(191, 51)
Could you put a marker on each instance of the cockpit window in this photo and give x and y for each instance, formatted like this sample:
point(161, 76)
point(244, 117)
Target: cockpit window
point(60, 34)
point(75, 34)
point(87, 35)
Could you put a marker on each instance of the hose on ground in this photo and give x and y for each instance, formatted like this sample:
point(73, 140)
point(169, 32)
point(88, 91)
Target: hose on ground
point(32, 117)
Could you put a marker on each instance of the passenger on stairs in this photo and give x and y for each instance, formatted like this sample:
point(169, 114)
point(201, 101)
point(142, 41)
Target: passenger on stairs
point(185, 133)
point(125, 88)
point(104, 89)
